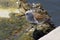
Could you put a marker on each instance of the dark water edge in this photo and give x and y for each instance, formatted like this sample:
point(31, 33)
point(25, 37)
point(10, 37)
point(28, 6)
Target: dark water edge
point(53, 8)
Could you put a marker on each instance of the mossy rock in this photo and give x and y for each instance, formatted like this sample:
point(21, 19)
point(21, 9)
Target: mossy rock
point(25, 37)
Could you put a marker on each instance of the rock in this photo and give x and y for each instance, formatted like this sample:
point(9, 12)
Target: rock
point(23, 6)
point(37, 5)
point(24, 1)
point(41, 15)
point(37, 34)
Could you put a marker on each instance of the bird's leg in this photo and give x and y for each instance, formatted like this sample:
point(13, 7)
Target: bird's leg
point(34, 26)
point(29, 28)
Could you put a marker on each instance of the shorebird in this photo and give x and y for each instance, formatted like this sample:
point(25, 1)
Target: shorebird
point(30, 17)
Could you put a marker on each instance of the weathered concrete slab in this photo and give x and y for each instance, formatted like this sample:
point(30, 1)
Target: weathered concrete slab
point(53, 35)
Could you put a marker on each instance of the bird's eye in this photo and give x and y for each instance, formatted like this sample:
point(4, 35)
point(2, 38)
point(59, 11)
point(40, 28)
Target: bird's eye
point(26, 13)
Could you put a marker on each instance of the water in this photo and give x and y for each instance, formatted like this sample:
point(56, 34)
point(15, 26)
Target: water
point(53, 8)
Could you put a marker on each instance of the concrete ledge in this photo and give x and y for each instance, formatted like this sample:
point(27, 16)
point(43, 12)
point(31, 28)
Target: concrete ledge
point(53, 35)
